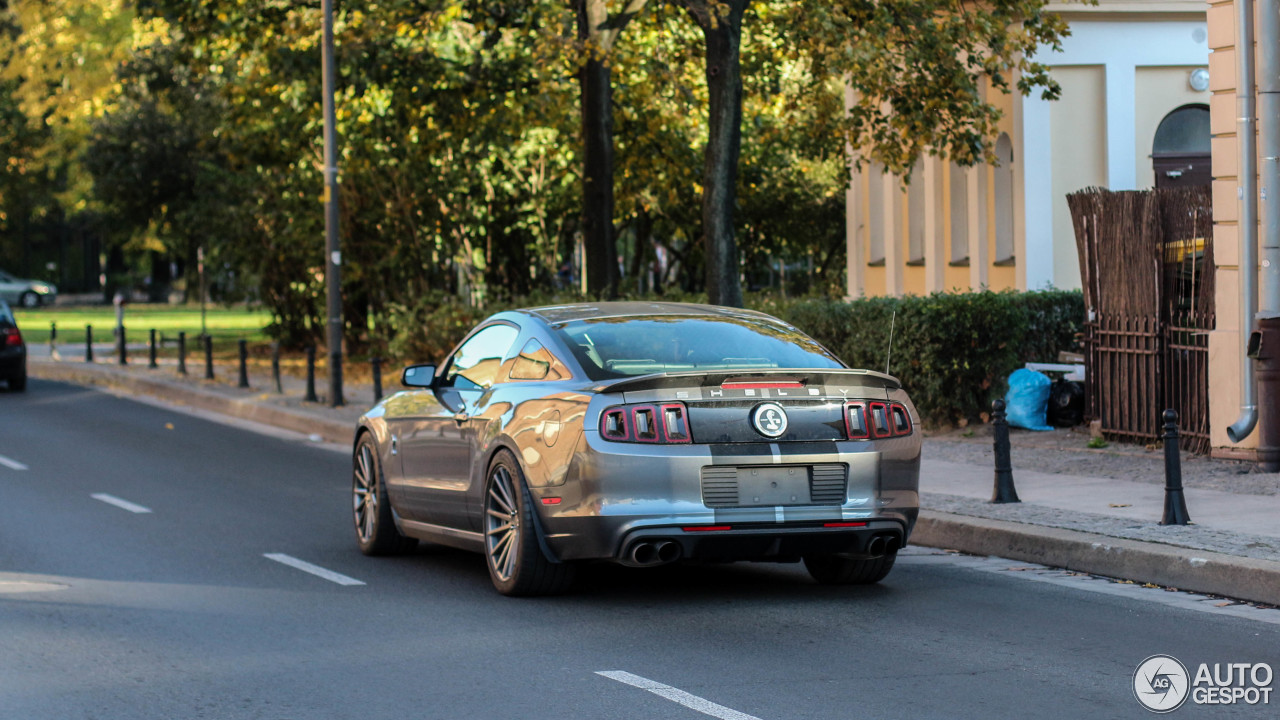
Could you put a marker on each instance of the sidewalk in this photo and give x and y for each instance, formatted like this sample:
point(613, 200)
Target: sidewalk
point(1093, 511)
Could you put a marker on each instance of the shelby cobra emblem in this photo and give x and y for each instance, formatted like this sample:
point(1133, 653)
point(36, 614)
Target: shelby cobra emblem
point(769, 419)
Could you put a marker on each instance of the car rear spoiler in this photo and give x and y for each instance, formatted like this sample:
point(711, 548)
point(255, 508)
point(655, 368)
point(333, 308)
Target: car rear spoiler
point(746, 378)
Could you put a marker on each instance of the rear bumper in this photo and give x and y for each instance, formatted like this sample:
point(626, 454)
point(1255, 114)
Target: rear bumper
point(726, 543)
point(13, 362)
point(616, 496)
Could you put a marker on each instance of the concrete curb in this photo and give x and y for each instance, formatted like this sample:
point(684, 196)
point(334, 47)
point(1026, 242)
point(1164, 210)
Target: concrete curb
point(1183, 568)
point(191, 396)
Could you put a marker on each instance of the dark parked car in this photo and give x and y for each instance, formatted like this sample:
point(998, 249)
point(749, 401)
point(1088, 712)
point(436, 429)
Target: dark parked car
point(13, 351)
point(640, 434)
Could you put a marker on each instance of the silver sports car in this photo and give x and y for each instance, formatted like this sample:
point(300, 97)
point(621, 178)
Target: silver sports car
point(640, 434)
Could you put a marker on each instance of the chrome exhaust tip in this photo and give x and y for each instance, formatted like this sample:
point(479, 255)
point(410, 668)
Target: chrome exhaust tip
point(643, 553)
point(668, 551)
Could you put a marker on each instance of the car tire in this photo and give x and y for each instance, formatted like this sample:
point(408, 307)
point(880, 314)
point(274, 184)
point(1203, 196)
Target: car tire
point(517, 565)
point(376, 530)
point(18, 383)
point(29, 299)
point(837, 570)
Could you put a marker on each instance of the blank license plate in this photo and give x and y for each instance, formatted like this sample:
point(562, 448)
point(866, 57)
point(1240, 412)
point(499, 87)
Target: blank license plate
point(773, 486)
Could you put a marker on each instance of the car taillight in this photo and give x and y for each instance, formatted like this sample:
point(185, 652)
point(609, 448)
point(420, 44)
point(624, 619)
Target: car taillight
point(665, 423)
point(12, 337)
point(865, 420)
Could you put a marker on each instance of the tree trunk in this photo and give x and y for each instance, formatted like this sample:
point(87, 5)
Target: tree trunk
point(720, 173)
point(597, 180)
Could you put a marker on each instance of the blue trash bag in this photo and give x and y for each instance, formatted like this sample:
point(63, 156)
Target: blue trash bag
point(1028, 400)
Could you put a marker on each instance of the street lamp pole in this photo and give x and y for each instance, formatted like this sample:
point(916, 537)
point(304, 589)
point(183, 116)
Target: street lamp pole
point(333, 255)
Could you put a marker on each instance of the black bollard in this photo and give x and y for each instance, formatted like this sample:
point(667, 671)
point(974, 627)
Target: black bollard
point(151, 363)
point(121, 350)
point(182, 353)
point(275, 365)
point(1175, 505)
point(1004, 490)
point(208, 357)
point(88, 343)
point(53, 334)
point(244, 364)
point(311, 375)
point(377, 379)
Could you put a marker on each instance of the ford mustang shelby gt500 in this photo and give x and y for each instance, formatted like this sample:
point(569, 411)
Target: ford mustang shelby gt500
point(642, 434)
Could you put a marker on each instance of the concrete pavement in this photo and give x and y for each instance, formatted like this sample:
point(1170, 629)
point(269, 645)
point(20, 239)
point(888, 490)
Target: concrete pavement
point(1101, 525)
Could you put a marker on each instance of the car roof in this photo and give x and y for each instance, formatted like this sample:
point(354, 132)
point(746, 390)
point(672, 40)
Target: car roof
point(556, 314)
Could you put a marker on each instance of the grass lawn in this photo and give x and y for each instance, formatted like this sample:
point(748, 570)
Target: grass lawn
point(225, 324)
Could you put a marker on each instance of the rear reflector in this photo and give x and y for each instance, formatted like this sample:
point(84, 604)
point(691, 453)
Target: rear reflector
point(550, 501)
point(707, 528)
point(845, 524)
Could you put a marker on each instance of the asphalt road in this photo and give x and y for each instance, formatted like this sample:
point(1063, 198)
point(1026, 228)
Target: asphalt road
point(107, 611)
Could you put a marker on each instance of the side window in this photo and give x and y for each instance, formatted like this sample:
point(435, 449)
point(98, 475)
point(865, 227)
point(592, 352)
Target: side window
point(534, 363)
point(475, 365)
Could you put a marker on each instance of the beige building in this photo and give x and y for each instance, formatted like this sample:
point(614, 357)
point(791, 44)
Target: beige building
point(1237, 196)
point(1127, 69)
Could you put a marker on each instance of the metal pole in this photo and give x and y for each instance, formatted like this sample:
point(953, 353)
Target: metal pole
point(333, 255)
point(1175, 505)
point(120, 346)
point(182, 353)
point(1247, 212)
point(88, 343)
point(208, 357)
point(53, 334)
point(204, 329)
point(377, 379)
point(244, 363)
point(275, 365)
point(1004, 491)
point(311, 375)
point(151, 362)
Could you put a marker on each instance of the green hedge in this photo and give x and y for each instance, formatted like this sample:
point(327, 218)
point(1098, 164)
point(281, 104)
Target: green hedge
point(952, 351)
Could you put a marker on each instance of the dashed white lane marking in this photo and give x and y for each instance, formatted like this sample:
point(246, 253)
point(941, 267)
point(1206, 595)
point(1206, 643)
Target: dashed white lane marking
point(12, 464)
point(123, 504)
point(316, 570)
point(693, 702)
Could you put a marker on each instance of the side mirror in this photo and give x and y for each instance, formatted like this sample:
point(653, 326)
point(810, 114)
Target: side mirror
point(418, 376)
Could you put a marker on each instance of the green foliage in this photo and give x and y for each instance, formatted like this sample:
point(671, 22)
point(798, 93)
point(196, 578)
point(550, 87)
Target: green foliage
point(953, 352)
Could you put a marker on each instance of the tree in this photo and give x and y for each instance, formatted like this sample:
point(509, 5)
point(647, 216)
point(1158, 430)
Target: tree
point(598, 31)
point(916, 68)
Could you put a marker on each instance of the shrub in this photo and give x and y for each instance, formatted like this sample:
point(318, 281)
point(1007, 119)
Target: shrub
point(952, 351)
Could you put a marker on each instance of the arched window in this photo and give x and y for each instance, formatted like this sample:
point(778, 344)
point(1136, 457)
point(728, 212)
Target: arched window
point(1180, 150)
point(1004, 200)
point(959, 210)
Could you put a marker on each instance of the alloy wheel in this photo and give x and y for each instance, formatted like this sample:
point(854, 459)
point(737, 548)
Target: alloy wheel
point(502, 524)
point(365, 494)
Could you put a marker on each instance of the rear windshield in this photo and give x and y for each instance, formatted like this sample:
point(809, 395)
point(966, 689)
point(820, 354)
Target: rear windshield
point(620, 347)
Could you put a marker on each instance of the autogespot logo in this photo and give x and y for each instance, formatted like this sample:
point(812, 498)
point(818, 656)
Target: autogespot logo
point(1160, 683)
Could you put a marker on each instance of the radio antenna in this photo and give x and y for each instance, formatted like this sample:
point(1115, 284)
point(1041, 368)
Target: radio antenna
point(889, 353)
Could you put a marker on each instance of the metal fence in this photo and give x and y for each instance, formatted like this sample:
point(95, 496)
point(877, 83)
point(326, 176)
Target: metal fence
point(1146, 262)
